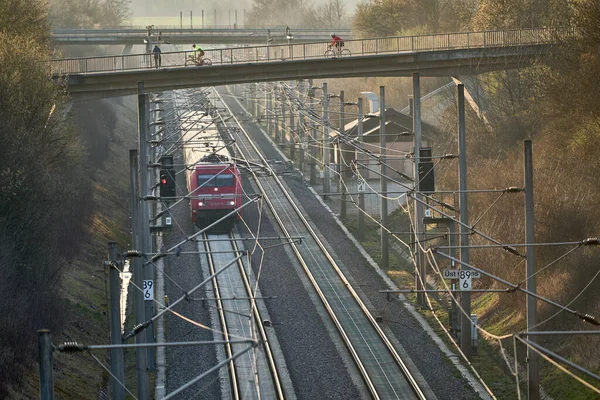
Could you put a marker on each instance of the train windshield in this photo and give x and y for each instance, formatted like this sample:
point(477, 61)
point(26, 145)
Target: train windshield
point(221, 180)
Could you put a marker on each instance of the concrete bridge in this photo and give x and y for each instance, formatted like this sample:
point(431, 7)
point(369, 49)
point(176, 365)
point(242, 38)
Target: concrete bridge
point(203, 36)
point(456, 54)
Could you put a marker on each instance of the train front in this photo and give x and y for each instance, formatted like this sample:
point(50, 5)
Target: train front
point(215, 189)
point(213, 179)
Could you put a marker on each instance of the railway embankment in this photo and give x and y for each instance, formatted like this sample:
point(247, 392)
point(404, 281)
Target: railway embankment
point(108, 129)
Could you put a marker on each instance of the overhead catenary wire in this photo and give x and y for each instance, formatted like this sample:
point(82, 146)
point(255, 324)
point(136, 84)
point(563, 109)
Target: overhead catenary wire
point(500, 245)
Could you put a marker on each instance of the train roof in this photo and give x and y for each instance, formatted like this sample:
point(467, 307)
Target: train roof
point(201, 140)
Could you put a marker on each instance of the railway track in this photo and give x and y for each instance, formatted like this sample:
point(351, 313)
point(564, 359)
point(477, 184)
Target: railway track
point(253, 375)
point(383, 371)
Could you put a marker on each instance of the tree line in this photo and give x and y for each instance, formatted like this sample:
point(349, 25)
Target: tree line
point(555, 103)
point(45, 195)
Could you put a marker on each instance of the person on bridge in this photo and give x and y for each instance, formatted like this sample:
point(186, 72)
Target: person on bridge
point(197, 54)
point(336, 41)
point(157, 58)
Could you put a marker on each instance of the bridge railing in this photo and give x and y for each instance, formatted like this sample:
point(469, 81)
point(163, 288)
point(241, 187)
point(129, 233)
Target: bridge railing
point(221, 30)
point(196, 27)
point(306, 51)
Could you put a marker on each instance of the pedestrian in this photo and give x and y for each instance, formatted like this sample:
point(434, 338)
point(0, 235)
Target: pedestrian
point(157, 57)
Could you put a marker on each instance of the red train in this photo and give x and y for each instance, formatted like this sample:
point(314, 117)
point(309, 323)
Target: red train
point(214, 182)
point(215, 191)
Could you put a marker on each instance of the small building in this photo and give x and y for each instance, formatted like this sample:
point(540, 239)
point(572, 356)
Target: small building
point(399, 141)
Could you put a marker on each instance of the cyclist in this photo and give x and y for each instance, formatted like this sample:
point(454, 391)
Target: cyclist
point(157, 58)
point(336, 41)
point(197, 54)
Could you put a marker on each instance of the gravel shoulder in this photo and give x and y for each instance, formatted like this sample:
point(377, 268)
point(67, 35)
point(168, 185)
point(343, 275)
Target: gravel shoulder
point(442, 377)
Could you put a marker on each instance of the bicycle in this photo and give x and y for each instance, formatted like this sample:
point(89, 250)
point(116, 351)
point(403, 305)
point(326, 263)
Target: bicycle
point(197, 61)
point(338, 52)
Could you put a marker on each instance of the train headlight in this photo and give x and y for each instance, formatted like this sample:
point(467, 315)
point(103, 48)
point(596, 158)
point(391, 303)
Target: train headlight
point(232, 203)
point(216, 189)
point(200, 204)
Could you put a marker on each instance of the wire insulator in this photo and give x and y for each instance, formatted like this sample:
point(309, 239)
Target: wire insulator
point(513, 289)
point(514, 189)
point(590, 319)
point(133, 253)
point(136, 329)
point(512, 250)
point(71, 347)
point(591, 242)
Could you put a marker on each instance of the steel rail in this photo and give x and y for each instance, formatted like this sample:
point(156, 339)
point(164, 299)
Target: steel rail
point(311, 277)
point(366, 376)
point(230, 282)
point(224, 329)
point(258, 319)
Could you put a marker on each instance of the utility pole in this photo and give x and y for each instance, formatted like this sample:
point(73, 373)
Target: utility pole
point(276, 112)
point(144, 221)
point(141, 357)
point(268, 113)
point(465, 297)
point(117, 367)
point(45, 357)
point(418, 222)
point(191, 21)
point(255, 100)
point(385, 251)
point(215, 18)
point(325, 142)
point(301, 135)
point(293, 134)
point(313, 136)
point(361, 194)
point(533, 373)
point(284, 140)
point(341, 159)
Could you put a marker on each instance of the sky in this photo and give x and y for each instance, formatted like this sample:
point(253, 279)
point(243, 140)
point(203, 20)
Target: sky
point(225, 9)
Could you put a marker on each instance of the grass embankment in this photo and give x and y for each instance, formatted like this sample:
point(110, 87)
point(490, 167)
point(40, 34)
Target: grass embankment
point(492, 315)
point(108, 135)
point(487, 361)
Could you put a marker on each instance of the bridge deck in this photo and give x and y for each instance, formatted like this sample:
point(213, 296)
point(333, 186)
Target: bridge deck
point(432, 55)
point(211, 35)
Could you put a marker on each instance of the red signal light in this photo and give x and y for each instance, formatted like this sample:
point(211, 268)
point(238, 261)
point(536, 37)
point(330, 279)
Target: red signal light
point(163, 181)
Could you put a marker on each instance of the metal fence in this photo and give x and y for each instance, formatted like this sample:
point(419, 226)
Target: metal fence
point(304, 51)
point(197, 28)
